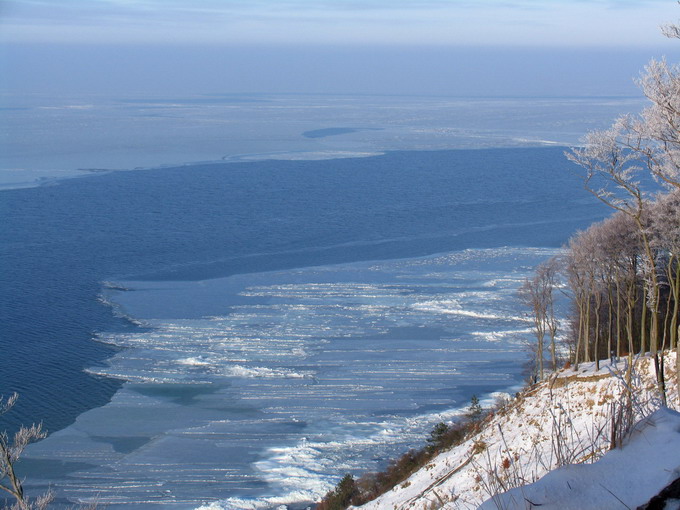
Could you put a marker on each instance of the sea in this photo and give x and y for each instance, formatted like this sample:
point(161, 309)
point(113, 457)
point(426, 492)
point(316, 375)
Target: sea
point(230, 301)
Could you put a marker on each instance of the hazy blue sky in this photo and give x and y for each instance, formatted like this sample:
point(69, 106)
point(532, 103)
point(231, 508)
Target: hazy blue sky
point(456, 47)
point(385, 22)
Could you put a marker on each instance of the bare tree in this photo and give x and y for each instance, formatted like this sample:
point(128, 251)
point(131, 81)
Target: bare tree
point(602, 269)
point(537, 293)
point(665, 232)
point(576, 260)
point(10, 452)
point(621, 240)
point(531, 294)
point(549, 271)
point(665, 235)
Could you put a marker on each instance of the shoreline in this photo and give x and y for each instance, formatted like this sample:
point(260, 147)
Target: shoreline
point(136, 381)
point(138, 197)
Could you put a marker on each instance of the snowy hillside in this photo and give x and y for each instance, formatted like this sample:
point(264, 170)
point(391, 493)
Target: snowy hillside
point(564, 420)
point(630, 476)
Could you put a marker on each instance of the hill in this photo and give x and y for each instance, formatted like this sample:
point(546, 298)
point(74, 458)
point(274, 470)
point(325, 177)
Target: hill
point(573, 417)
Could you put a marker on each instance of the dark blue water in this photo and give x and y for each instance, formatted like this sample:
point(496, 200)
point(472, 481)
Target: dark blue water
point(59, 243)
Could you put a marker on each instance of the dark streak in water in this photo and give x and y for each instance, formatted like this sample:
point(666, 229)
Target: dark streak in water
point(323, 133)
point(123, 444)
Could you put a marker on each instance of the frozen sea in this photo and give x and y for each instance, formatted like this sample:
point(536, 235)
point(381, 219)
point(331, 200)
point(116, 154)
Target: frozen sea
point(240, 299)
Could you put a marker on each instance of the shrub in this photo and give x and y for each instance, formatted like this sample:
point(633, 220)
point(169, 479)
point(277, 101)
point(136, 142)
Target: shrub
point(475, 409)
point(342, 496)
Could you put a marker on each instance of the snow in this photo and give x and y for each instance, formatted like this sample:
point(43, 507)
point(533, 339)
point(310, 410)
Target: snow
point(562, 421)
point(647, 463)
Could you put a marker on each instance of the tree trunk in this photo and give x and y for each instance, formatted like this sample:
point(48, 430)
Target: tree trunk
point(581, 324)
point(618, 319)
point(586, 339)
point(660, 380)
point(596, 343)
point(643, 324)
point(666, 323)
point(674, 281)
point(677, 366)
point(553, 355)
point(610, 322)
point(630, 315)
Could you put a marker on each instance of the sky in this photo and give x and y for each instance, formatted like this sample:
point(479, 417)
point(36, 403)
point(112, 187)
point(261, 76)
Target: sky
point(431, 47)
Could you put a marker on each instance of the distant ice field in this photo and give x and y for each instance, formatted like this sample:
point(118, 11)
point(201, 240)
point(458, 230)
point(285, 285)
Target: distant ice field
point(296, 377)
point(45, 138)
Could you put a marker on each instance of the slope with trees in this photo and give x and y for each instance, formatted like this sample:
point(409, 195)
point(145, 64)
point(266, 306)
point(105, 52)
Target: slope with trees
point(643, 234)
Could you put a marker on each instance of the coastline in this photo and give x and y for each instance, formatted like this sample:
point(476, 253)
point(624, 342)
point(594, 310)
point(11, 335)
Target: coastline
point(28, 225)
point(439, 240)
point(191, 375)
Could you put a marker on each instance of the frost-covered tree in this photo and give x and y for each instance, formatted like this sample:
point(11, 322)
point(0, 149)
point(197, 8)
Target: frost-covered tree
point(612, 174)
point(654, 134)
point(10, 452)
point(614, 161)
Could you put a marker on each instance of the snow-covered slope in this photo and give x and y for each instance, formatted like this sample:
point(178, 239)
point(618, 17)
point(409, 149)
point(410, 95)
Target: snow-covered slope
point(648, 462)
point(564, 420)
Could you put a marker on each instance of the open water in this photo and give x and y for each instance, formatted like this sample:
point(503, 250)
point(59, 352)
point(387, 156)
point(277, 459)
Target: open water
point(307, 302)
